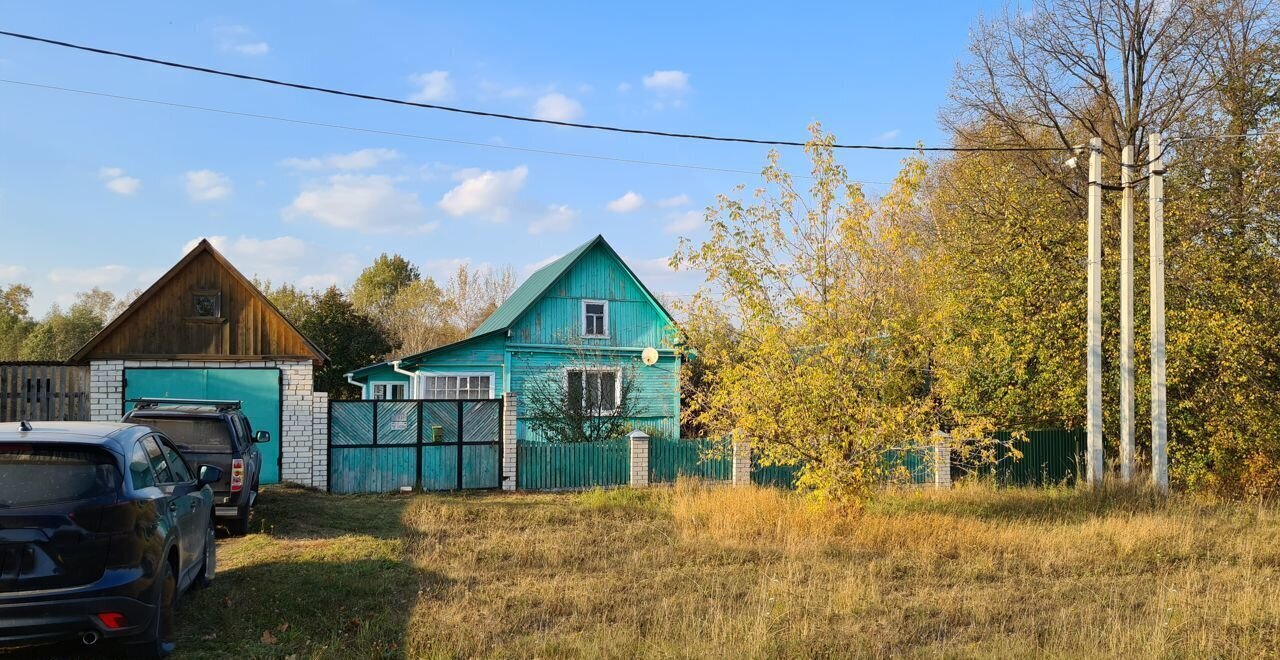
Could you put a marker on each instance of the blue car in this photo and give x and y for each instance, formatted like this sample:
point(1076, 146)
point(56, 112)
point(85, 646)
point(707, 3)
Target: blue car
point(102, 526)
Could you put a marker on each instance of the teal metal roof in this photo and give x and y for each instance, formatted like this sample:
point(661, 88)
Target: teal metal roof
point(532, 289)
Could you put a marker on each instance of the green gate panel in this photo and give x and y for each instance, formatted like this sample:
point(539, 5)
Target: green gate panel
point(257, 390)
point(480, 466)
point(440, 467)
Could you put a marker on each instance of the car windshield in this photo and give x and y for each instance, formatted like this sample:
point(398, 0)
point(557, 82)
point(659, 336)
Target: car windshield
point(207, 436)
point(35, 475)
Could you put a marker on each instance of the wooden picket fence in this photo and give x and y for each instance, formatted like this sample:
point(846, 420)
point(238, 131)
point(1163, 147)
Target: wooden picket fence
point(43, 391)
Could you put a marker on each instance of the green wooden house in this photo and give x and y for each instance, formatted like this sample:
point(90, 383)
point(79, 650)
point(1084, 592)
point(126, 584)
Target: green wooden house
point(585, 317)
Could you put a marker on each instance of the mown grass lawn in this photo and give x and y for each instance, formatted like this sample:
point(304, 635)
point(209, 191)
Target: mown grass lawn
point(724, 572)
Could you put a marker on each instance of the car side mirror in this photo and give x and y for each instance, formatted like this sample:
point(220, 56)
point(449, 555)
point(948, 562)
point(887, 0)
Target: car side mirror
point(262, 436)
point(209, 474)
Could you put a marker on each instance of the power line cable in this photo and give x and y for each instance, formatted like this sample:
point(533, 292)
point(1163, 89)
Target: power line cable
point(497, 115)
point(414, 136)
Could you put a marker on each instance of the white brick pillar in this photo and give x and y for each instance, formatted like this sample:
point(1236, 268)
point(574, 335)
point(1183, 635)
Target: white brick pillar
point(941, 461)
point(320, 440)
point(106, 390)
point(741, 462)
point(297, 413)
point(639, 459)
point(509, 453)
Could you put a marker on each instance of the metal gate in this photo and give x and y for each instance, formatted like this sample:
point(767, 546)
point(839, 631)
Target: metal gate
point(382, 446)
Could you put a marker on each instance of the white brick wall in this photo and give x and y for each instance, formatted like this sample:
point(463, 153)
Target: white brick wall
point(741, 462)
point(509, 452)
point(639, 477)
point(320, 439)
point(298, 411)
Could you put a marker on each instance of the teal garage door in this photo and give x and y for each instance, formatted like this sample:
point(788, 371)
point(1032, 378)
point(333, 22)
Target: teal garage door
point(257, 390)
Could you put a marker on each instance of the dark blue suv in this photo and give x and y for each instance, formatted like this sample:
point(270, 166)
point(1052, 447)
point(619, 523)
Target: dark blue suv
point(102, 526)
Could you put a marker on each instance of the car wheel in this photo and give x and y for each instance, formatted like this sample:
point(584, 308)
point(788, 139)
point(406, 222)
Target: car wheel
point(239, 526)
point(157, 641)
point(210, 564)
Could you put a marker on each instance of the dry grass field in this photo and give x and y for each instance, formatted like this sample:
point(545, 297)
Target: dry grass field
point(722, 572)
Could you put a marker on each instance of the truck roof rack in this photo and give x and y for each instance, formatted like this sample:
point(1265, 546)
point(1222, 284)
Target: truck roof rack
point(155, 402)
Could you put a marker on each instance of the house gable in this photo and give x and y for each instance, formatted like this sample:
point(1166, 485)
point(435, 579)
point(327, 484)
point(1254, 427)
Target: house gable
point(234, 321)
point(635, 318)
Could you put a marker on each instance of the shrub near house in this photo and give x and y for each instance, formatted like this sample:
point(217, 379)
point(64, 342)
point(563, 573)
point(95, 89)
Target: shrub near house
point(581, 326)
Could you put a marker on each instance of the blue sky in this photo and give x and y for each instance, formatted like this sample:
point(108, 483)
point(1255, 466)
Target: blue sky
point(97, 191)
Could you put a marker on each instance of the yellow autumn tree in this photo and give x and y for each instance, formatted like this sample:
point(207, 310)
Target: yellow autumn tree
point(816, 327)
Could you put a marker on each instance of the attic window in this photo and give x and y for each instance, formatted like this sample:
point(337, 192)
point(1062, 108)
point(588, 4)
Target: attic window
point(595, 318)
point(206, 304)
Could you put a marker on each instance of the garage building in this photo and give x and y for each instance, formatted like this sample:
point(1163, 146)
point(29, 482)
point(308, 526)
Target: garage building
point(204, 331)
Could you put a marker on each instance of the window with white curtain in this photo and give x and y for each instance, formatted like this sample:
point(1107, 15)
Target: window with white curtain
point(457, 386)
point(383, 391)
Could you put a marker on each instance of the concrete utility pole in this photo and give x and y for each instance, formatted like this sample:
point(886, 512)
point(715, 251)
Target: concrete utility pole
point(1126, 314)
point(1159, 414)
point(1094, 460)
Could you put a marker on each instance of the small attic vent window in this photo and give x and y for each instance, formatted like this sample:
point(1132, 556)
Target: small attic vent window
point(206, 304)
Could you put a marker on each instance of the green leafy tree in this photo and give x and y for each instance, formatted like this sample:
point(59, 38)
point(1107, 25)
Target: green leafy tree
point(60, 334)
point(377, 285)
point(15, 320)
point(350, 339)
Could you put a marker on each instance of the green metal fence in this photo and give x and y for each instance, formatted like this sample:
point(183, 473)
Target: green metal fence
point(913, 466)
point(704, 459)
point(571, 466)
point(1050, 456)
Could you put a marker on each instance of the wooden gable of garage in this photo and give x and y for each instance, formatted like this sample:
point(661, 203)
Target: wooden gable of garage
point(202, 309)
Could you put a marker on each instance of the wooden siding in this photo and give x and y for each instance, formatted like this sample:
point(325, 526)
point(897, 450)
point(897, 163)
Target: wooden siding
point(162, 327)
point(656, 389)
point(43, 392)
point(556, 318)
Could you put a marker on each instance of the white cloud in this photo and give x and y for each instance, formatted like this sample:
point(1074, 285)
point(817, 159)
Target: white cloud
point(529, 269)
point(672, 202)
point(486, 192)
point(11, 272)
point(626, 203)
point(366, 203)
point(115, 180)
point(670, 81)
point(361, 159)
point(558, 217)
point(683, 223)
point(889, 135)
point(238, 39)
point(432, 86)
point(248, 250)
point(557, 107)
point(103, 276)
point(207, 185)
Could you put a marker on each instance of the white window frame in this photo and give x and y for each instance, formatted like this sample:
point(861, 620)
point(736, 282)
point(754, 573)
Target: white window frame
point(421, 383)
point(388, 383)
point(617, 383)
point(583, 317)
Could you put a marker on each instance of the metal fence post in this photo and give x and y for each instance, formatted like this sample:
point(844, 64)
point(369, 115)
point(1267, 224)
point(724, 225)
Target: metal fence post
point(509, 453)
point(741, 461)
point(639, 459)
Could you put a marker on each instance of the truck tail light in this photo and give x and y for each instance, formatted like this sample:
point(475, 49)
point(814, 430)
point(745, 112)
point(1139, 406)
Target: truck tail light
point(237, 474)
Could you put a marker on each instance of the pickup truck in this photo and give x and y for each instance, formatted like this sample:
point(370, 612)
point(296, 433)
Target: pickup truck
point(215, 433)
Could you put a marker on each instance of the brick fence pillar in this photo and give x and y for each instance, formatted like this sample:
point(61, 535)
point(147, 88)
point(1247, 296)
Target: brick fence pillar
point(509, 454)
point(639, 459)
point(741, 462)
point(941, 461)
point(320, 440)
